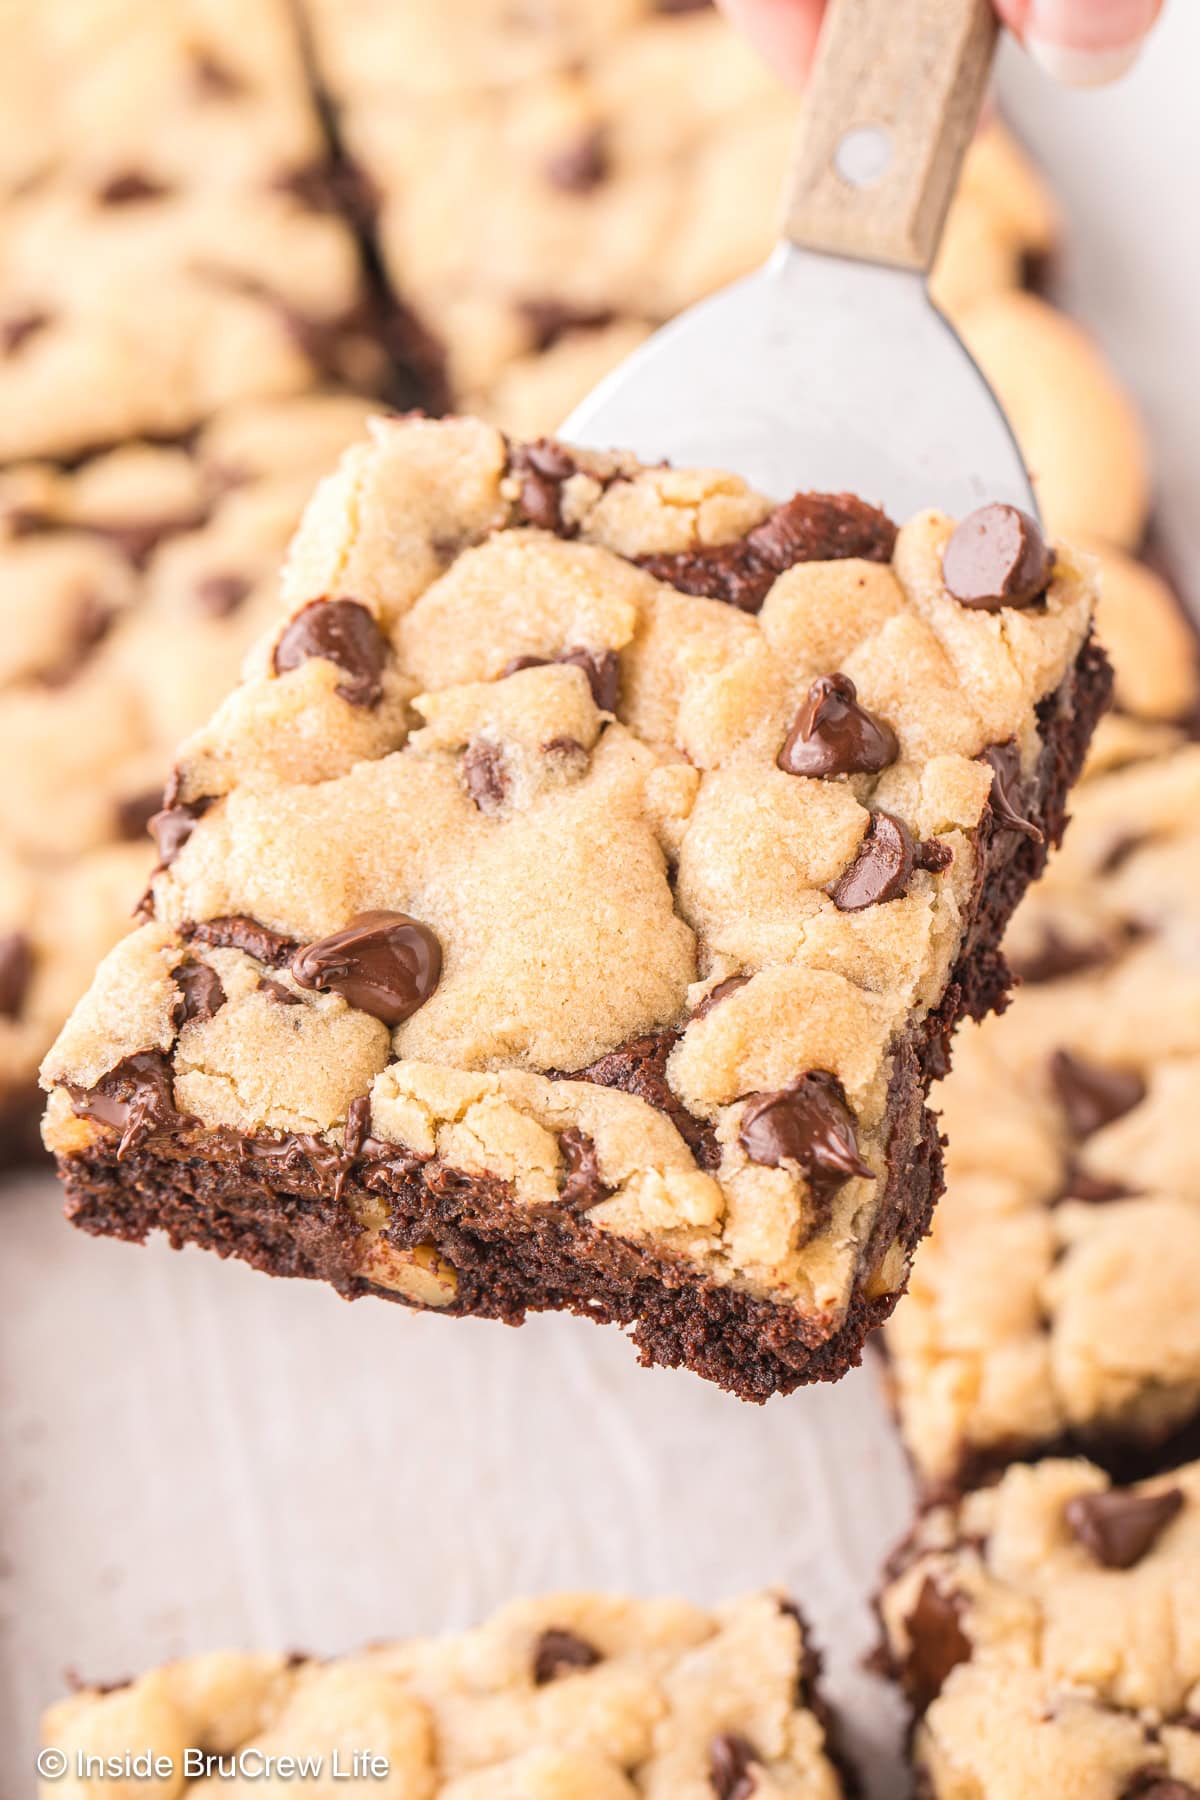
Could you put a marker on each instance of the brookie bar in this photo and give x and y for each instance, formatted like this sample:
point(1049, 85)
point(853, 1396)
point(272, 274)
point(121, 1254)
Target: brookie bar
point(572, 906)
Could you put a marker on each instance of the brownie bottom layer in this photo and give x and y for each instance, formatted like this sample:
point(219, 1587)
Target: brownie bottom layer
point(293, 1207)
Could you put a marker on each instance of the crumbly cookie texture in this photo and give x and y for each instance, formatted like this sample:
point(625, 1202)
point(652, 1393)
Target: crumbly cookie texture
point(1045, 1632)
point(583, 884)
point(558, 1698)
point(1054, 1303)
point(131, 588)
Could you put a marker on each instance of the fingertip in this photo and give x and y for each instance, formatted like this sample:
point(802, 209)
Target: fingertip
point(784, 32)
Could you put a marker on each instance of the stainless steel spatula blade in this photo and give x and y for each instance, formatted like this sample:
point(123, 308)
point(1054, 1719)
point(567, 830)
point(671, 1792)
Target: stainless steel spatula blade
point(831, 368)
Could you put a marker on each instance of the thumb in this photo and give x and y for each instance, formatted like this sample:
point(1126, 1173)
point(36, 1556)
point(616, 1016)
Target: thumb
point(1082, 42)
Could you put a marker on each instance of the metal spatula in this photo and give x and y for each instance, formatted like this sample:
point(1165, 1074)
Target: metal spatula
point(831, 368)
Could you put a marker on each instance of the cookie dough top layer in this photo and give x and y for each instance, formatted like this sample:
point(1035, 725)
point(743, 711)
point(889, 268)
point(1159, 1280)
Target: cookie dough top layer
point(1049, 1626)
point(639, 759)
point(565, 1696)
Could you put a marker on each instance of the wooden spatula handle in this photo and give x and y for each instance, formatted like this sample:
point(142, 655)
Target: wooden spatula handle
point(894, 97)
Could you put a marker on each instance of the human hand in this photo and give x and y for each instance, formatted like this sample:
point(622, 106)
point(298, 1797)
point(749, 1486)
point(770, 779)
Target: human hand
point(1083, 42)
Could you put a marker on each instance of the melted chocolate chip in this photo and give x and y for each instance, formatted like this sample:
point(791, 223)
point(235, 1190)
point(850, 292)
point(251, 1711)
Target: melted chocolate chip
point(384, 963)
point(221, 595)
point(341, 632)
point(90, 625)
point(1118, 1528)
point(237, 932)
point(559, 1652)
point(541, 468)
point(731, 1760)
point(602, 668)
point(806, 528)
point(275, 990)
point(173, 826)
point(1055, 957)
point(136, 1098)
point(1093, 1097)
point(834, 735)
point(931, 854)
point(16, 972)
point(1004, 760)
point(134, 813)
point(882, 869)
point(808, 1123)
point(484, 774)
point(722, 991)
point(582, 165)
point(17, 330)
point(997, 557)
point(131, 188)
point(201, 992)
point(582, 1186)
point(936, 1643)
point(639, 1067)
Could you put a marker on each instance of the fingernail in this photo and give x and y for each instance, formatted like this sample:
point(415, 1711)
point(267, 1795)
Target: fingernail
point(1082, 68)
point(1085, 45)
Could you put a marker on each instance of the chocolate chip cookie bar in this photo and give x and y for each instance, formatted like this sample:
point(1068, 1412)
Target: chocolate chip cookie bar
point(1045, 1633)
point(573, 904)
point(1071, 1165)
point(569, 1695)
point(130, 588)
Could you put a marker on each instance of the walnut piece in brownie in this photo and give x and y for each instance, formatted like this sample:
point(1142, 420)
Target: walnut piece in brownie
point(507, 812)
point(1054, 1305)
point(1046, 1633)
point(568, 1695)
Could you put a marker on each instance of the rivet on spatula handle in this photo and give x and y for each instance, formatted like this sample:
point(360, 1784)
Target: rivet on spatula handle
point(893, 102)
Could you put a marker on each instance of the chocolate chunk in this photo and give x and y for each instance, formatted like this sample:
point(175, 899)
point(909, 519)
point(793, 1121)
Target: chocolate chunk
point(582, 165)
point(16, 972)
point(1118, 1527)
point(559, 1652)
point(933, 855)
point(173, 826)
point(18, 328)
point(1150, 1784)
point(133, 815)
point(1004, 760)
point(551, 320)
point(136, 1097)
point(484, 774)
point(722, 991)
point(581, 1186)
point(275, 990)
point(341, 632)
point(602, 668)
point(834, 735)
point(997, 557)
point(1093, 1097)
point(806, 528)
point(808, 1123)
point(384, 963)
point(937, 1643)
point(730, 1766)
point(221, 595)
point(1055, 957)
point(881, 870)
point(130, 188)
point(90, 625)
point(236, 932)
point(1094, 1190)
point(541, 468)
point(201, 992)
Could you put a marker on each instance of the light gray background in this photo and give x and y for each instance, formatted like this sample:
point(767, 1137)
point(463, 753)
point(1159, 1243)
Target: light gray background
point(193, 1456)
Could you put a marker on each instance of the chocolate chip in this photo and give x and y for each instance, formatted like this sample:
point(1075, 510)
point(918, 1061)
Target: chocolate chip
point(730, 1766)
point(582, 165)
point(237, 932)
point(275, 990)
point(1093, 1097)
point(384, 963)
point(1004, 760)
point(221, 595)
point(931, 854)
point(881, 870)
point(485, 776)
point(18, 328)
point(136, 1097)
point(90, 625)
point(550, 320)
point(834, 735)
point(581, 1186)
point(602, 668)
point(1149, 1784)
point(722, 991)
point(341, 632)
point(324, 186)
point(937, 1643)
point(173, 826)
point(130, 188)
point(808, 1123)
point(134, 813)
point(201, 992)
point(214, 76)
point(806, 528)
point(1093, 1190)
point(1054, 957)
point(997, 557)
point(16, 972)
point(1117, 1527)
point(541, 468)
point(559, 1652)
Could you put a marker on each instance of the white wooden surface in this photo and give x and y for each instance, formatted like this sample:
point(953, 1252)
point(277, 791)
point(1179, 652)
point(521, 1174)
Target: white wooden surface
point(191, 1455)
